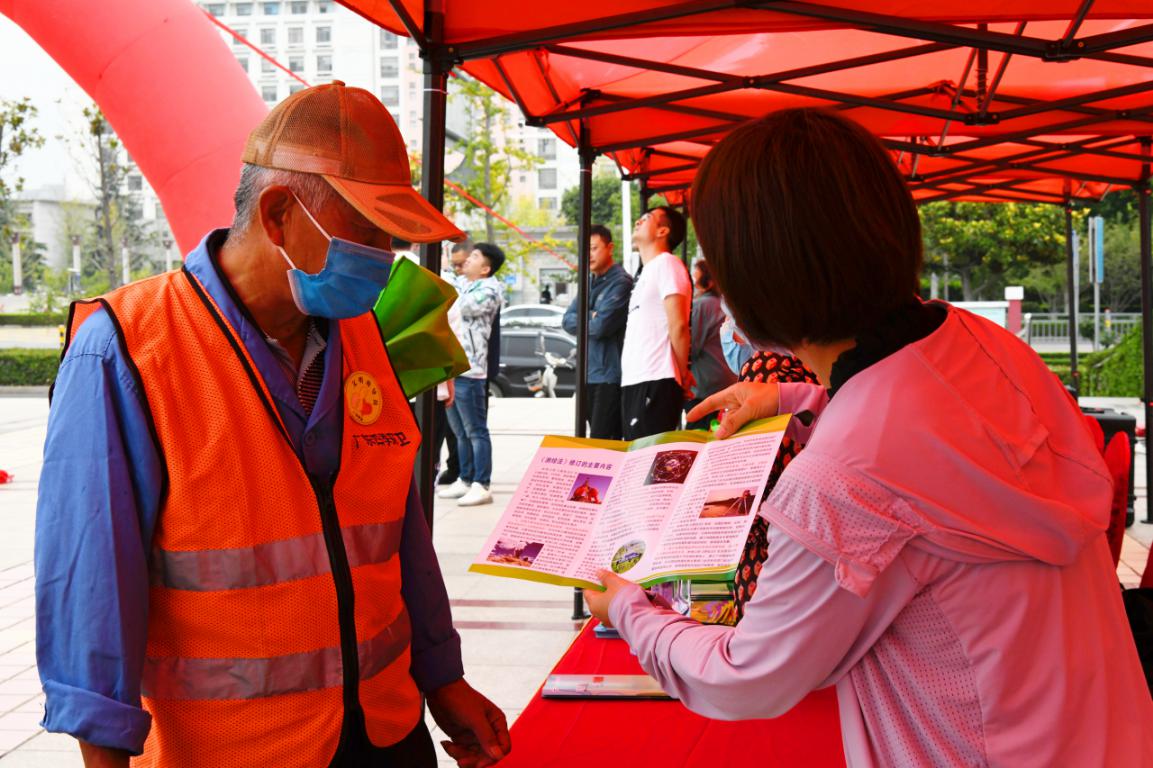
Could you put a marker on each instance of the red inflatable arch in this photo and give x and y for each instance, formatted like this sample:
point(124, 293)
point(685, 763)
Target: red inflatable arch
point(169, 87)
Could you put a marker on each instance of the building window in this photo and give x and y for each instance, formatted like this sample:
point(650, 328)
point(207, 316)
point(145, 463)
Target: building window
point(324, 64)
point(216, 9)
point(296, 64)
point(324, 6)
point(546, 178)
point(546, 148)
point(268, 92)
point(267, 66)
point(389, 68)
point(243, 9)
point(390, 95)
point(388, 40)
point(298, 7)
point(135, 183)
point(268, 37)
point(295, 87)
point(296, 35)
point(324, 34)
point(547, 203)
point(238, 35)
point(270, 9)
point(243, 62)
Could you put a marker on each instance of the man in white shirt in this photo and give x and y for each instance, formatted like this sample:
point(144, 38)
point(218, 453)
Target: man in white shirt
point(655, 378)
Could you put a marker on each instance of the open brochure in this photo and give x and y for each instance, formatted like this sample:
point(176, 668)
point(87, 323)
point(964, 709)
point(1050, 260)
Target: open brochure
point(669, 506)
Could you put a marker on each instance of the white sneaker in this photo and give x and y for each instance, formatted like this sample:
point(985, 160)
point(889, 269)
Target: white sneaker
point(476, 495)
point(455, 491)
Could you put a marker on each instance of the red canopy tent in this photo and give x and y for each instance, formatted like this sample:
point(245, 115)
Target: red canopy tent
point(984, 100)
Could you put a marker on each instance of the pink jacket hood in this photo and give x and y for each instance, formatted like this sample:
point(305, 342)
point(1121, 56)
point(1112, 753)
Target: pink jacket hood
point(975, 445)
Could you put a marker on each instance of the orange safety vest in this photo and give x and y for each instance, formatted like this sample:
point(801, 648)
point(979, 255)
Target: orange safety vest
point(275, 603)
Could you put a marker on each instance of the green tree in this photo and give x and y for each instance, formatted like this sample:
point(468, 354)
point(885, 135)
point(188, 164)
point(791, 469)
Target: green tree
point(991, 245)
point(118, 217)
point(606, 202)
point(490, 156)
point(18, 134)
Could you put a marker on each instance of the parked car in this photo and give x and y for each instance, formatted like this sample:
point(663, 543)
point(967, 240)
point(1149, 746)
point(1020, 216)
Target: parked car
point(522, 355)
point(532, 315)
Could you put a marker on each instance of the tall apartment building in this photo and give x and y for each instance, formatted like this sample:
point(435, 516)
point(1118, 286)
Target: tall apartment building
point(320, 40)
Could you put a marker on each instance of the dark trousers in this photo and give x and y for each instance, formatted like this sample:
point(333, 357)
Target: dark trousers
point(604, 411)
point(651, 407)
point(444, 433)
point(356, 751)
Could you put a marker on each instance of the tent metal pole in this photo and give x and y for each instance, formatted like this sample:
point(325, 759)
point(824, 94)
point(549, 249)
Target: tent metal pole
point(1071, 288)
point(436, 69)
point(1142, 190)
point(685, 241)
point(587, 157)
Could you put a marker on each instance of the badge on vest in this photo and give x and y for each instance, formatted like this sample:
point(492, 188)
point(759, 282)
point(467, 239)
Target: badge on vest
point(362, 398)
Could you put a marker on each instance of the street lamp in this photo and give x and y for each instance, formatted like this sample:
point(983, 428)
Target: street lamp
point(125, 271)
point(17, 265)
point(74, 273)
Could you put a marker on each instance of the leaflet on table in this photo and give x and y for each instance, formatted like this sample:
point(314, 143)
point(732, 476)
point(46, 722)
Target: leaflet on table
point(668, 506)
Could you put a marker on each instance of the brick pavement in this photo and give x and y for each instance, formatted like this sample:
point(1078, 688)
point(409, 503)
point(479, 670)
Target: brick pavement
point(512, 631)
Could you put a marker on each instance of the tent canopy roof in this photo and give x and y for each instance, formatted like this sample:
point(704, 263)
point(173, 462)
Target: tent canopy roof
point(978, 100)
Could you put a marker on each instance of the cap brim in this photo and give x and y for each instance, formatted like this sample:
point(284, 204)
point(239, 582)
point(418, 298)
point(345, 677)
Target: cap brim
point(397, 209)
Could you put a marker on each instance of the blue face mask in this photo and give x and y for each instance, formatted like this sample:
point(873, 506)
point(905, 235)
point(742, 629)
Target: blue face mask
point(350, 283)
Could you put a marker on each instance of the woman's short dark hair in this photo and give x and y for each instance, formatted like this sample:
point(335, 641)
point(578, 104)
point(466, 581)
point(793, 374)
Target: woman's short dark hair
point(492, 254)
point(809, 228)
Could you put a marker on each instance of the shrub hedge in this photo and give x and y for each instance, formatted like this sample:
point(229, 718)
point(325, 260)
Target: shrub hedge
point(28, 367)
point(1117, 371)
point(33, 318)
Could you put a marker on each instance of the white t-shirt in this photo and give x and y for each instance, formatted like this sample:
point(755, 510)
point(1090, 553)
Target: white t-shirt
point(648, 353)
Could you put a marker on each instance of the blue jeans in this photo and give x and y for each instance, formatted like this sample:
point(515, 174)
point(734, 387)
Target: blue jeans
point(468, 418)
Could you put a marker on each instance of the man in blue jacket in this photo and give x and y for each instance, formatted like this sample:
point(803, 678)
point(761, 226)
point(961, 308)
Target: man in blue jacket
point(609, 293)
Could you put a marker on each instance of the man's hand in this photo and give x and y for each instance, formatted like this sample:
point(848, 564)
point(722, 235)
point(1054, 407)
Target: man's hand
point(687, 385)
point(741, 403)
point(477, 728)
point(102, 757)
point(448, 401)
point(599, 602)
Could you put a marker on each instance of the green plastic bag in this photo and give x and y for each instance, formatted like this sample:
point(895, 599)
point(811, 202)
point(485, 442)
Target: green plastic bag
point(413, 315)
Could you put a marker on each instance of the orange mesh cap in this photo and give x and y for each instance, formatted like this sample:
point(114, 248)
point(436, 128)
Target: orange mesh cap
point(347, 136)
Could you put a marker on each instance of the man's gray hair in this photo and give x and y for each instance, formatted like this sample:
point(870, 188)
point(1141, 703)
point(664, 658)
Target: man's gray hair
point(311, 189)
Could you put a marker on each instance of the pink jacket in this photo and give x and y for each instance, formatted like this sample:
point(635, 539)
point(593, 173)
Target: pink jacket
point(937, 552)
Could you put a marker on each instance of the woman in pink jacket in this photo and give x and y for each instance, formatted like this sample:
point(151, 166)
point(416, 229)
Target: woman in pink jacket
point(937, 551)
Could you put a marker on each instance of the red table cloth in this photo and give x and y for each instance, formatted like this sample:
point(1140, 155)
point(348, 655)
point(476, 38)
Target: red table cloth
point(553, 733)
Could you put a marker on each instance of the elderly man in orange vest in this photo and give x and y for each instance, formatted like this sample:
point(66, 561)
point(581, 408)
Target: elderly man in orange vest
point(233, 568)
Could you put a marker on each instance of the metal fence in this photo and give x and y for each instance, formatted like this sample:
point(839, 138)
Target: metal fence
point(1052, 329)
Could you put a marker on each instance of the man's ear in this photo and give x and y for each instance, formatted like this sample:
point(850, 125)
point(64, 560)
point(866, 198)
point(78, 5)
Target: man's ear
point(272, 209)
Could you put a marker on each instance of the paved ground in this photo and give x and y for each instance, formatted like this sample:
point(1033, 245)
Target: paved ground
point(512, 631)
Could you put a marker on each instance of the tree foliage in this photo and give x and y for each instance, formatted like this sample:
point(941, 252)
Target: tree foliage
point(118, 221)
point(18, 134)
point(991, 245)
point(491, 155)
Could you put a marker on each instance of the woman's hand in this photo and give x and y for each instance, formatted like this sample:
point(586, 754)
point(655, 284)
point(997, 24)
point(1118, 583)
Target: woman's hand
point(599, 602)
point(739, 404)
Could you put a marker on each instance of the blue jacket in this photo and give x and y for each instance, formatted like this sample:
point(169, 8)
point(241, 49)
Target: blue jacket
point(100, 494)
point(608, 310)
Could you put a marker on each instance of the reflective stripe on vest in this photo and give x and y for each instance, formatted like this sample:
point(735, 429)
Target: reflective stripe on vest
point(182, 678)
point(271, 562)
point(246, 621)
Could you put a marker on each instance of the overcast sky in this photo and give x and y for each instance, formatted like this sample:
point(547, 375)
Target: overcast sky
point(26, 70)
